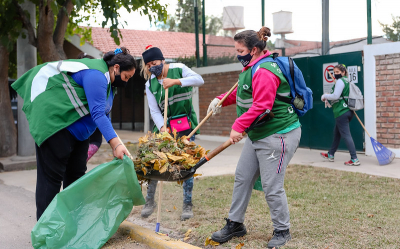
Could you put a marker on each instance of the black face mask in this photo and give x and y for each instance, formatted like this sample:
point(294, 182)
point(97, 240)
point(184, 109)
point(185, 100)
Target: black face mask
point(338, 76)
point(118, 82)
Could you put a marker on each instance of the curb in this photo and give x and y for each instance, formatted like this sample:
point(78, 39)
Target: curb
point(14, 163)
point(150, 238)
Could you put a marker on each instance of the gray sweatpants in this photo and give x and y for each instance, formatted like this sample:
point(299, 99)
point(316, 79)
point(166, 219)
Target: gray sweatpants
point(267, 157)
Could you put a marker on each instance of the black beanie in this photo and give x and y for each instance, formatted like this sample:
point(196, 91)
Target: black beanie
point(152, 54)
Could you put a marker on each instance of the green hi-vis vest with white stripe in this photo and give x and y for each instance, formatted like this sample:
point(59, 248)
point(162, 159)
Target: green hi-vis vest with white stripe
point(284, 112)
point(339, 106)
point(179, 98)
point(52, 99)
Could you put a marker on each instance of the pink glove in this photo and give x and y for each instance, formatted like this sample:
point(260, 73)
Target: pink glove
point(92, 150)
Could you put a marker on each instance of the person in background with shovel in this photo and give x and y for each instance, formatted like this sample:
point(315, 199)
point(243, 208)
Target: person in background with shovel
point(343, 116)
point(65, 101)
point(179, 80)
point(270, 147)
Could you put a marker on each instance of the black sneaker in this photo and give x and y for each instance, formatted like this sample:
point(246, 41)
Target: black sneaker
point(279, 239)
point(231, 229)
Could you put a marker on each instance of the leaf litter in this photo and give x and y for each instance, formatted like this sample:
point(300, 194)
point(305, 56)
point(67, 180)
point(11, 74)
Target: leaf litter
point(162, 152)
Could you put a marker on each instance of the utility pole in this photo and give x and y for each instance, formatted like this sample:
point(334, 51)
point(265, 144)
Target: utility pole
point(369, 37)
point(26, 59)
point(325, 27)
point(263, 13)
point(203, 15)
point(196, 27)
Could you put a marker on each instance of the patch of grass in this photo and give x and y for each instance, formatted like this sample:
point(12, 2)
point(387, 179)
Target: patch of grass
point(328, 208)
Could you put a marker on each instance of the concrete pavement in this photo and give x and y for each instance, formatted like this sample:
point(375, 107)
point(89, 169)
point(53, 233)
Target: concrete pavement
point(17, 198)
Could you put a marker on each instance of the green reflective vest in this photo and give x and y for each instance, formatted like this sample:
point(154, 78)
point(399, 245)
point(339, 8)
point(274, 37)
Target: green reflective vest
point(284, 113)
point(339, 106)
point(179, 98)
point(52, 99)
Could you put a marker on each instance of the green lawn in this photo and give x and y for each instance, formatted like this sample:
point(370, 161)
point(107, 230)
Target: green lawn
point(329, 209)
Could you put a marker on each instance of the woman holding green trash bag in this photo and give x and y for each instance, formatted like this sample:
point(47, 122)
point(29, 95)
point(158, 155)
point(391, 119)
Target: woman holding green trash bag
point(269, 147)
point(179, 79)
point(64, 102)
point(343, 116)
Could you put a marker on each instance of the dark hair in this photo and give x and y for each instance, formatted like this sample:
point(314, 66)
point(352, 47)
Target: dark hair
point(251, 38)
point(342, 68)
point(124, 59)
point(84, 55)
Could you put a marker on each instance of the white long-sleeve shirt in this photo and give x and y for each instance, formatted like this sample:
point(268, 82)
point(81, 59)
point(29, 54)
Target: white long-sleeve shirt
point(339, 86)
point(189, 78)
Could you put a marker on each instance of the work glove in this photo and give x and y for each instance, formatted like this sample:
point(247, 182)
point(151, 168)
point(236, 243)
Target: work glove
point(213, 107)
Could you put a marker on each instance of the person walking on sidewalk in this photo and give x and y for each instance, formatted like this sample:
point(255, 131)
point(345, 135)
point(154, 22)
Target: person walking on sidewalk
point(64, 102)
point(270, 147)
point(343, 115)
point(180, 80)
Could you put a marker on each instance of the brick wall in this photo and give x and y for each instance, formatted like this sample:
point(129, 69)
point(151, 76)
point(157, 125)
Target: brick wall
point(388, 100)
point(214, 85)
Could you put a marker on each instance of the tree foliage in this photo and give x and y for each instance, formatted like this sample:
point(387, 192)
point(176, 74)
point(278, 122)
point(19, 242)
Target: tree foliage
point(183, 20)
point(392, 32)
point(58, 19)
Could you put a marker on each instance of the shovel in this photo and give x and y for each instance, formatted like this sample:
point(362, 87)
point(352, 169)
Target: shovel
point(186, 174)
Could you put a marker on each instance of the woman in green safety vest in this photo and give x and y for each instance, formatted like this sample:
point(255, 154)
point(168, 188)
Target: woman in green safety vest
point(64, 102)
point(343, 116)
point(269, 147)
point(179, 79)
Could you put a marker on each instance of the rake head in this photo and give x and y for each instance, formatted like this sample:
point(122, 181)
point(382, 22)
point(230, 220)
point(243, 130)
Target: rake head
point(384, 155)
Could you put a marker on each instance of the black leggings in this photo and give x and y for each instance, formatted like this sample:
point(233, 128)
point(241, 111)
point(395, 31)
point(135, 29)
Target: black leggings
point(342, 130)
point(61, 158)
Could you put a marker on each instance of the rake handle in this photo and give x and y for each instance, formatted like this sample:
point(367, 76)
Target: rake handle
point(361, 123)
point(359, 120)
point(211, 112)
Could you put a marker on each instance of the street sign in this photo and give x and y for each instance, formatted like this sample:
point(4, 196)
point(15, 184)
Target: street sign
point(353, 74)
point(327, 79)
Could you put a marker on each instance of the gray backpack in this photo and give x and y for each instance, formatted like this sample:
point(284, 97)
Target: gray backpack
point(355, 101)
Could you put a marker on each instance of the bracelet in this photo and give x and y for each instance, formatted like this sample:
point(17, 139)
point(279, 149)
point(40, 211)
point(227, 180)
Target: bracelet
point(117, 146)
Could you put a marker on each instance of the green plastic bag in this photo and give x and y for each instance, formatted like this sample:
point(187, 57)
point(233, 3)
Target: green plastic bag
point(258, 184)
point(89, 211)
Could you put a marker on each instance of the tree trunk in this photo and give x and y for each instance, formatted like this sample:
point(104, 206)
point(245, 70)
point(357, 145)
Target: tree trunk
point(8, 131)
point(45, 44)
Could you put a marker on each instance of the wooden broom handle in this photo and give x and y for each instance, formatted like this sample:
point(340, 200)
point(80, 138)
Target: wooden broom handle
point(359, 120)
point(165, 110)
point(211, 112)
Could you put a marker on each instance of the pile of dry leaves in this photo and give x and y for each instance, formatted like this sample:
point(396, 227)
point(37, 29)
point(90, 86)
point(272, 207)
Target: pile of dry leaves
point(162, 152)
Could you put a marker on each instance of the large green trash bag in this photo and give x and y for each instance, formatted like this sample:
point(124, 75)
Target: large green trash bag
point(89, 211)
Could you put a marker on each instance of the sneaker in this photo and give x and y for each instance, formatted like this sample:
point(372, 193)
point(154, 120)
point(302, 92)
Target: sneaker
point(352, 162)
point(187, 212)
point(328, 156)
point(231, 229)
point(148, 208)
point(279, 239)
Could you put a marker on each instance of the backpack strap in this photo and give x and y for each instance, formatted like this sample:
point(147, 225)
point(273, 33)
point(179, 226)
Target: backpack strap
point(269, 59)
